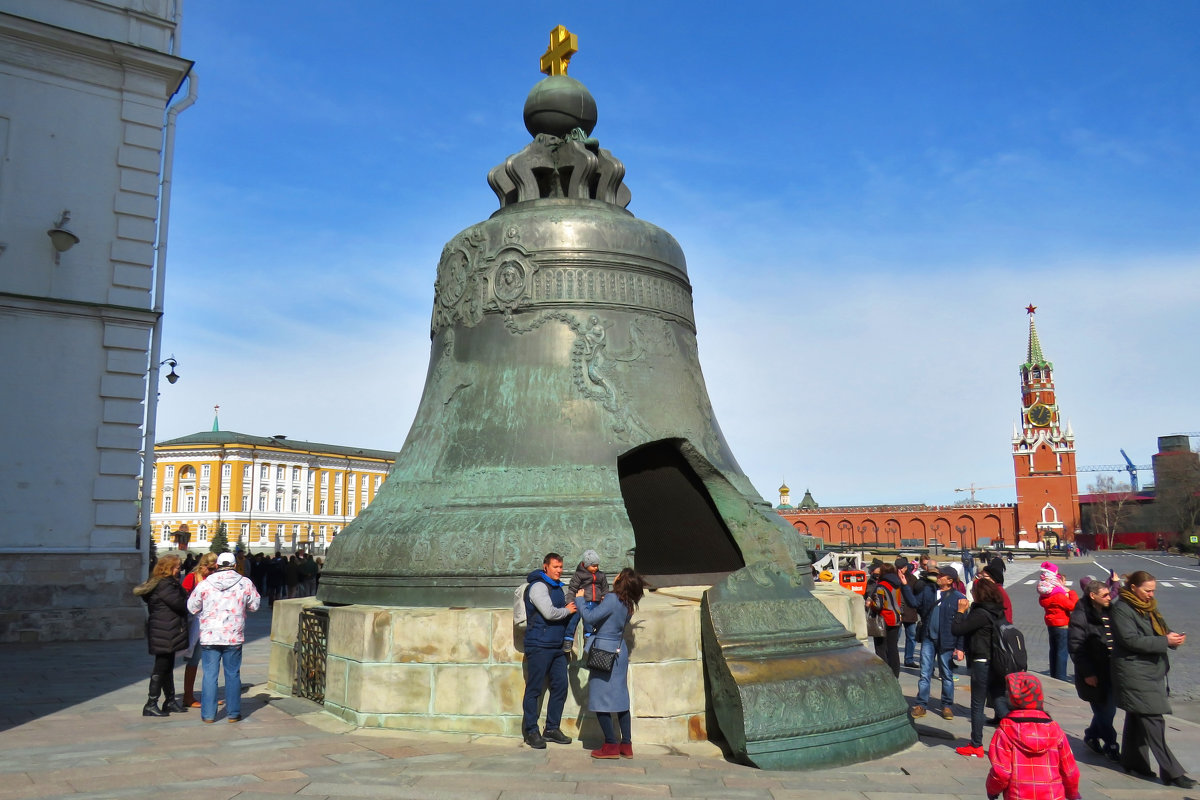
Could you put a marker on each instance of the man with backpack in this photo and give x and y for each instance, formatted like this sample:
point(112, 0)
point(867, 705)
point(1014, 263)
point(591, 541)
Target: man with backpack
point(938, 645)
point(546, 611)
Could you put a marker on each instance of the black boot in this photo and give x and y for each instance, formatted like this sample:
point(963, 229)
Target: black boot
point(151, 708)
point(171, 703)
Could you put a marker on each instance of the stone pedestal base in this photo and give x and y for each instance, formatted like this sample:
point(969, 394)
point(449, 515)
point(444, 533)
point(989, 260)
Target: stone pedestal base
point(457, 669)
point(70, 596)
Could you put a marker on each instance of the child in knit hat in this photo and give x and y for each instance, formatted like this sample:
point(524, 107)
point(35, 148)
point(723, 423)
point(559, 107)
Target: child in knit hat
point(594, 584)
point(1031, 757)
point(1057, 603)
point(1049, 581)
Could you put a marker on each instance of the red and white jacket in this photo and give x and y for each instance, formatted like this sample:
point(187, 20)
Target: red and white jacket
point(220, 602)
point(1031, 759)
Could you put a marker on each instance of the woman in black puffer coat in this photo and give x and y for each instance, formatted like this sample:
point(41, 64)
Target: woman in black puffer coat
point(975, 621)
point(166, 632)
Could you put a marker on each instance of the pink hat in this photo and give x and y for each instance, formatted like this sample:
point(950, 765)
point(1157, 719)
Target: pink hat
point(1052, 567)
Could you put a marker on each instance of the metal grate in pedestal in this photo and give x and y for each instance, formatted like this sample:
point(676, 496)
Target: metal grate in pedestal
point(312, 642)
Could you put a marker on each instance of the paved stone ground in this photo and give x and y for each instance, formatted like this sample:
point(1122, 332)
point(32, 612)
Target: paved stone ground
point(70, 726)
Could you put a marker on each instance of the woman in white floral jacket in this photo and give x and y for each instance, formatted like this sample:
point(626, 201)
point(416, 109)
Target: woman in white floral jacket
point(220, 602)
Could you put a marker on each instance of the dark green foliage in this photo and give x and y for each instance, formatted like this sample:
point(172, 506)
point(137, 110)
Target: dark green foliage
point(220, 543)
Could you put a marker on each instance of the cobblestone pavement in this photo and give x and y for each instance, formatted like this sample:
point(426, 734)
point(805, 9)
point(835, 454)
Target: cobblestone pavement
point(71, 726)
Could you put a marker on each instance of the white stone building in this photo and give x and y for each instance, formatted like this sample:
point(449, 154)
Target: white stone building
point(85, 129)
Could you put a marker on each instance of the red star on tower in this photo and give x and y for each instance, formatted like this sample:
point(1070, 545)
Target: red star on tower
point(1029, 309)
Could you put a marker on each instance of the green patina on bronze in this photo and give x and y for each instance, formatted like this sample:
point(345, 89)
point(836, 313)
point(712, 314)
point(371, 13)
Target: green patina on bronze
point(563, 339)
point(563, 405)
point(791, 688)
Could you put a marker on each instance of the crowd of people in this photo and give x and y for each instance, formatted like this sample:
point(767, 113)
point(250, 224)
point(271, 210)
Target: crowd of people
point(201, 618)
point(277, 577)
point(1114, 634)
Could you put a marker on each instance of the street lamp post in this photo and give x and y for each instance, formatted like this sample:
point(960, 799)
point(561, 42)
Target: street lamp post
point(846, 530)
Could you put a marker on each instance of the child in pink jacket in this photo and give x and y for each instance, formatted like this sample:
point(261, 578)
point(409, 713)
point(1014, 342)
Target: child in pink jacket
point(1031, 757)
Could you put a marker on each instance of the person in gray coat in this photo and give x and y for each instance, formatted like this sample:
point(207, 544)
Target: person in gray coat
point(1141, 639)
point(608, 692)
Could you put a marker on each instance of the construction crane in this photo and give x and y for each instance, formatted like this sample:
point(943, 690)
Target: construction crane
point(973, 489)
point(1131, 469)
point(1128, 466)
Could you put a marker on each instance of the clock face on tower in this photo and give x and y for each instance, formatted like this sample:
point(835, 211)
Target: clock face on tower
point(1039, 415)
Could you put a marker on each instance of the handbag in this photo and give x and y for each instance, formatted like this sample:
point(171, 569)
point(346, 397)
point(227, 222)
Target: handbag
point(876, 626)
point(601, 660)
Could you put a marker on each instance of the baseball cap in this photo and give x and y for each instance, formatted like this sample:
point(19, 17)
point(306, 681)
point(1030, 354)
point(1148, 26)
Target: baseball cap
point(947, 570)
point(226, 560)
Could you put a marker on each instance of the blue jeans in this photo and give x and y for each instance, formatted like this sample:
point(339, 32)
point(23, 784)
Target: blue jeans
point(1058, 652)
point(573, 621)
point(540, 663)
point(929, 654)
point(979, 682)
point(910, 641)
point(1103, 712)
point(229, 658)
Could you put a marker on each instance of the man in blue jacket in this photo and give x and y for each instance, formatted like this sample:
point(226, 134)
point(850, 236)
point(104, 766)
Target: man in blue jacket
point(546, 611)
point(937, 609)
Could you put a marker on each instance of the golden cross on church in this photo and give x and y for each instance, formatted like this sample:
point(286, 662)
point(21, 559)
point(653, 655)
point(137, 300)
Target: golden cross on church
point(563, 45)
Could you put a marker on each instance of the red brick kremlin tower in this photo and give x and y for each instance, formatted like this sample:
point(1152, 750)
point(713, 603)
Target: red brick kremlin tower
point(1043, 454)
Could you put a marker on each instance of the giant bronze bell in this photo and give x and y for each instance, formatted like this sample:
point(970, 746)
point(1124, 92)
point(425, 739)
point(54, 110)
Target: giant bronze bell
point(564, 409)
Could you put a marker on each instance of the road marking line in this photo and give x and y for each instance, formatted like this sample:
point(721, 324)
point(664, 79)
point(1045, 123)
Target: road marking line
point(1164, 583)
point(1188, 585)
point(1030, 583)
point(1164, 564)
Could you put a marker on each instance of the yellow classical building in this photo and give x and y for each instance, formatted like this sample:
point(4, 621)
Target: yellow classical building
point(271, 493)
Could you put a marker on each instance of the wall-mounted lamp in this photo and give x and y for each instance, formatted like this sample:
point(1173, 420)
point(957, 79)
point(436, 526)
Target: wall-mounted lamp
point(172, 376)
point(62, 239)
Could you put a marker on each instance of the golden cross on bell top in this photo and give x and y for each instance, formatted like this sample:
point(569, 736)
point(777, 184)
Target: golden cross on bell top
point(563, 45)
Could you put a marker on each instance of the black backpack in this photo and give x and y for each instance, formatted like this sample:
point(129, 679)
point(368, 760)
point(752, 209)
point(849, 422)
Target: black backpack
point(1008, 648)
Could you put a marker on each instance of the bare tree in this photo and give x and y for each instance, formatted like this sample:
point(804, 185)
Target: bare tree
point(1112, 504)
point(1177, 490)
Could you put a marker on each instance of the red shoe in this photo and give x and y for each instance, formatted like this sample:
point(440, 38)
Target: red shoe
point(626, 750)
point(970, 751)
point(612, 750)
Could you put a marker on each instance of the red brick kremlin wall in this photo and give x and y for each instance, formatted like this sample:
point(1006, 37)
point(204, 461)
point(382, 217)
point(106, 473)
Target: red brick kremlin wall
point(904, 526)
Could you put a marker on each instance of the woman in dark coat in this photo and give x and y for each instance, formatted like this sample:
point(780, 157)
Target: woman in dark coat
point(1141, 638)
point(1090, 642)
point(166, 632)
point(608, 692)
point(884, 599)
point(975, 623)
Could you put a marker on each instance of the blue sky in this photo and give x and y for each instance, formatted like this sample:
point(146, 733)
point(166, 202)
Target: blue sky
point(868, 195)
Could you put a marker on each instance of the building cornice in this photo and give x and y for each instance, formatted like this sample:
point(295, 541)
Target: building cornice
point(52, 50)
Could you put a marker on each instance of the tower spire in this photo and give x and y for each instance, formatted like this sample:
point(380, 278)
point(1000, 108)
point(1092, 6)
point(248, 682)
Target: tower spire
point(216, 426)
point(1034, 353)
